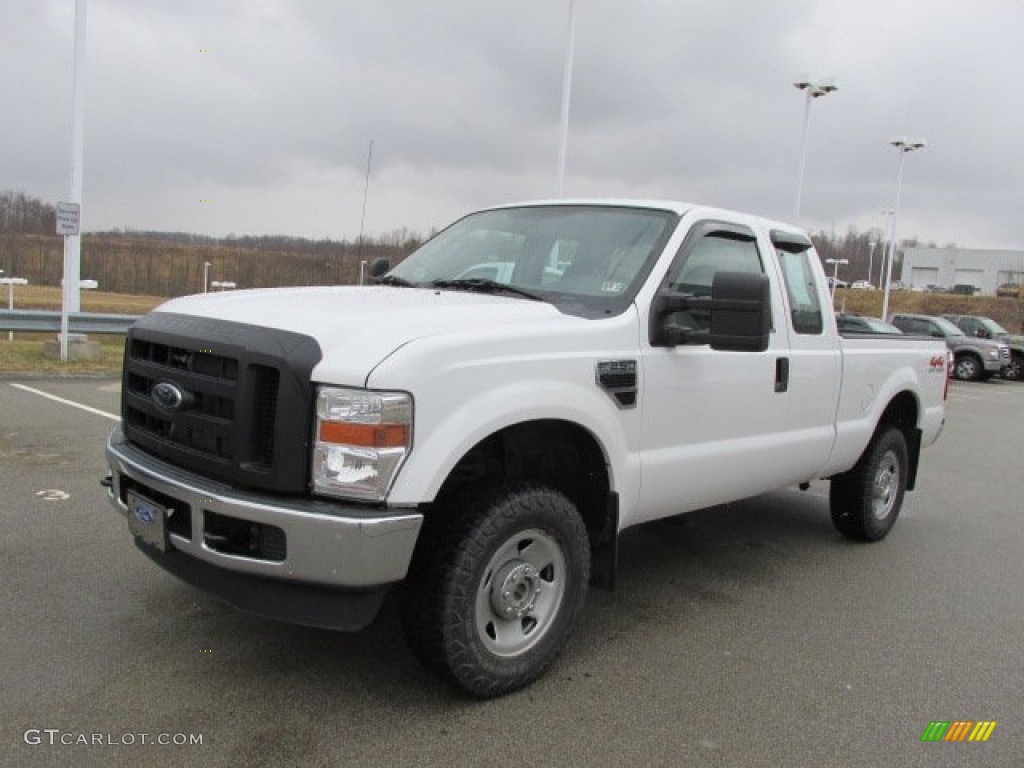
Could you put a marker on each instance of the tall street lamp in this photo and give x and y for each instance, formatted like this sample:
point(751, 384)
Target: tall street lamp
point(813, 90)
point(206, 276)
point(871, 259)
point(835, 273)
point(563, 123)
point(903, 146)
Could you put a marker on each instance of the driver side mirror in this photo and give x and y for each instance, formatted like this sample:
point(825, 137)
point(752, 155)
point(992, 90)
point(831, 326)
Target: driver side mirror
point(738, 314)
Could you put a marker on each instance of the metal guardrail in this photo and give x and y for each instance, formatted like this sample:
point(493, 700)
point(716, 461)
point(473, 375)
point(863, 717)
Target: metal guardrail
point(43, 321)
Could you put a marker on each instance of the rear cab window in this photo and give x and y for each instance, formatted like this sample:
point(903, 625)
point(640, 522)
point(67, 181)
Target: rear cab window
point(794, 253)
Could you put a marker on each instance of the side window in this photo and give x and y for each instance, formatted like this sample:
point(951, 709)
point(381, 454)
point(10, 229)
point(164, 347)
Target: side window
point(802, 291)
point(918, 327)
point(712, 253)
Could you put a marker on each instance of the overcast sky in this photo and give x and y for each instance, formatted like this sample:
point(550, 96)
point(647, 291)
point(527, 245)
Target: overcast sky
point(255, 117)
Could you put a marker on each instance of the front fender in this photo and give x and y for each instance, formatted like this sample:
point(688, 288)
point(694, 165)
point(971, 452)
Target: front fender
point(441, 438)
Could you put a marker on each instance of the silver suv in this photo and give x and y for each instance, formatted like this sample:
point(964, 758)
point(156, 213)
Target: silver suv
point(974, 359)
point(987, 328)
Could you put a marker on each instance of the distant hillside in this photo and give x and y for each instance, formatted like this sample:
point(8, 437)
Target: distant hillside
point(122, 263)
point(172, 263)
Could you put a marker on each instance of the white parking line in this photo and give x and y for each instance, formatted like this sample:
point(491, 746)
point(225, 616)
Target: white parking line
point(72, 403)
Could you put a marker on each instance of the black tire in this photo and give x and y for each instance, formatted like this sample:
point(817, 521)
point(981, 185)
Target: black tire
point(1015, 370)
point(866, 501)
point(967, 368)
point(495, 587)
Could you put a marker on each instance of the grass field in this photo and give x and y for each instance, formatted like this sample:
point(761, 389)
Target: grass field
point(24, 355)
point(48, 297)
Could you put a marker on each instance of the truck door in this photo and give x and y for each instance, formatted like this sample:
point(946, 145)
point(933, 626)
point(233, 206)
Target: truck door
point(815, 363)
point(715, 423)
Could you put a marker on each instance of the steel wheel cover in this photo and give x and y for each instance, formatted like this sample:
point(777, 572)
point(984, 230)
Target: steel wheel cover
point(885, 487)
point(520, 593)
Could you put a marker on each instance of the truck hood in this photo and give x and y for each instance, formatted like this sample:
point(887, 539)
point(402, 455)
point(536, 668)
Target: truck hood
point(358, 327)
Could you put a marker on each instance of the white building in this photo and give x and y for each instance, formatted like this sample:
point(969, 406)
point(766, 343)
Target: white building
point(947, 267)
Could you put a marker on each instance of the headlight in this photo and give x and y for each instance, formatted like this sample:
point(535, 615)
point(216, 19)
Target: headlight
point(994, 353)
point(361, 440)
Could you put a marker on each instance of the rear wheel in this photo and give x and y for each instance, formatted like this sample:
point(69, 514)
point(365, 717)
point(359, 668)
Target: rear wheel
point(967, 368)
point(866, 501)
point(495, 588)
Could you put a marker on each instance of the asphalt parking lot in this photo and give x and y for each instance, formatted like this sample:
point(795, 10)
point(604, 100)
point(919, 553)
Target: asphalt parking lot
point(747, 635)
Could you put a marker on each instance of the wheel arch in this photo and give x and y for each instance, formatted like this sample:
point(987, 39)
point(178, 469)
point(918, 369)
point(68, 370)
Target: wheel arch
point(554, 453)
point(904, 412)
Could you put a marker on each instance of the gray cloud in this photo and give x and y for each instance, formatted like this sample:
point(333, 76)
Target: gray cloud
point(267, 109)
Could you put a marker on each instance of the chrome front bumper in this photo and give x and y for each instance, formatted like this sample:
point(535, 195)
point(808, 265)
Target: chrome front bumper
point(335, 545)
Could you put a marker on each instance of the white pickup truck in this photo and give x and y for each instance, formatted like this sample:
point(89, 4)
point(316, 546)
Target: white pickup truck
point(478, 427)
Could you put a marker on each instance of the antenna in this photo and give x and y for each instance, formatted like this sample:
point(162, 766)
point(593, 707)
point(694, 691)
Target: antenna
point(366, 192)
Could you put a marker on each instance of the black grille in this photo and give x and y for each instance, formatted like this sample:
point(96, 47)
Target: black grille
point(235, 400)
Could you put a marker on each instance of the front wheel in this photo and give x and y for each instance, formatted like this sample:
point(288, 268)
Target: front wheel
point(967, 368)
point(866, 501)
point(495, 588)
point(1015, 370)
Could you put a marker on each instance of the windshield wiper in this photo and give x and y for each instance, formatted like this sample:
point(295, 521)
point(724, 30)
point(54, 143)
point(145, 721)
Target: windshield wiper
point(484, 285)
point(394, 280)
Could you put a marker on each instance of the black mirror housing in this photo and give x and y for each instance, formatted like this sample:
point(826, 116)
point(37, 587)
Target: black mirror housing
point(739, 311)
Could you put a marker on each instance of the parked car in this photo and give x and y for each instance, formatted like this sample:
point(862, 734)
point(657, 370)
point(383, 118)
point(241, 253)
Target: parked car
point(862, 285)
point(858, 324)
point(987, 328)
point(974, 359)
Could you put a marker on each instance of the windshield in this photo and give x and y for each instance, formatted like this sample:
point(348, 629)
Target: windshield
point(587, 260)
point(877, 326)
point(947, 327)
point(993, 327)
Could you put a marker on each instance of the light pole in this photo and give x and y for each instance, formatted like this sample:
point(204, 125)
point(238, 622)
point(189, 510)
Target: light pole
point(903, 146)
point(563, 133)
point(813, 90)
point(871, 260)
point(883, 236)
point(206, 276)
point(835, 273)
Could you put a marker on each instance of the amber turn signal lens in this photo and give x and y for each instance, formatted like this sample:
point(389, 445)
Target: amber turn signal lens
point(365, 435)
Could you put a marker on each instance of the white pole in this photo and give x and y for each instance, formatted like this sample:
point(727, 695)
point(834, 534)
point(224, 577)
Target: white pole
point(70, 299)
point(10, 306)
point(563, 142)
point(892, 235)
point(366, 193)
point(803, 157)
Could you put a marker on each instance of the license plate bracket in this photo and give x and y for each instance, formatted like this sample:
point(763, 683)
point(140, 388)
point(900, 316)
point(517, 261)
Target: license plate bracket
point(147, 520)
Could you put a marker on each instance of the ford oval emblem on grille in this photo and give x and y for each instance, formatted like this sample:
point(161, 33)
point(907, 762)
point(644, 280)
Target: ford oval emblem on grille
point(168, 396)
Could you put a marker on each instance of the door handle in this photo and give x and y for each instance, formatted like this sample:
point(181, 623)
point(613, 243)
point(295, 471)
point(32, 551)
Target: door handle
point(782, 374)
